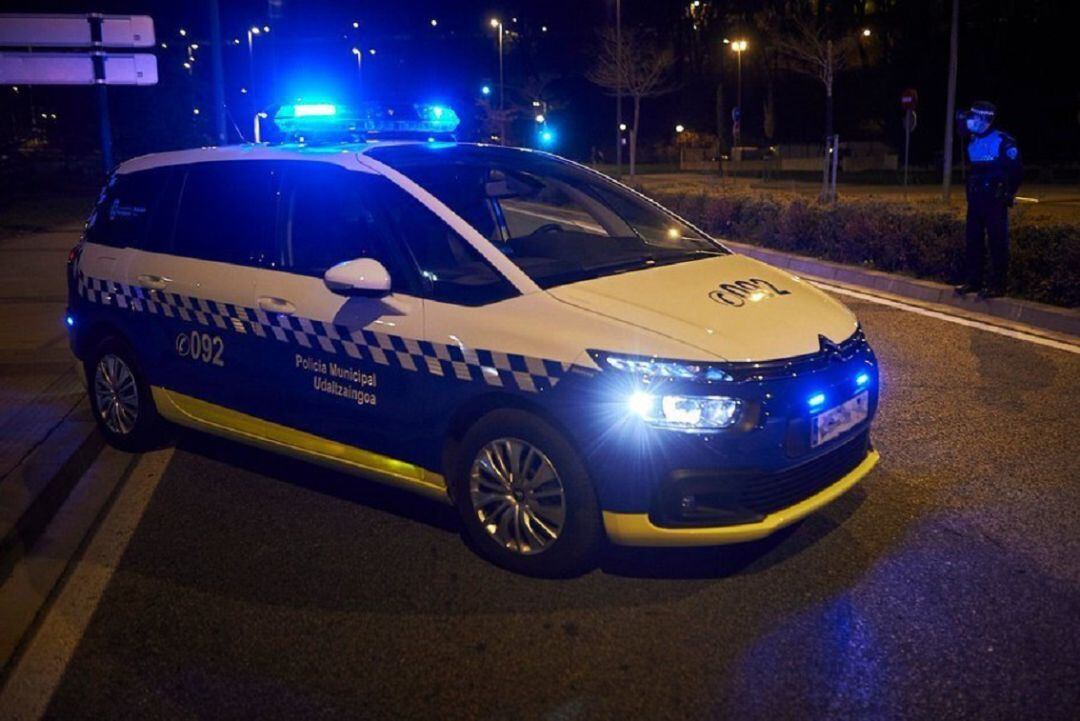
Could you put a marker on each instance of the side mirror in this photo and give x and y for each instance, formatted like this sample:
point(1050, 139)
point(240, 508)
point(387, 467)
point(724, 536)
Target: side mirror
point(365, 277)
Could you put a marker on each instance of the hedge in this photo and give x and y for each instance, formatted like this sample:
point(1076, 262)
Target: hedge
point(926, 243)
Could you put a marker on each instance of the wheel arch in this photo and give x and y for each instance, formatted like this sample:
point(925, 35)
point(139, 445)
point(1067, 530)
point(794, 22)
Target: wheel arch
point(472, 411)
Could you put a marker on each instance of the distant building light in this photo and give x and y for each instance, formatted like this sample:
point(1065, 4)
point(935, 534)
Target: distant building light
point(356, 25)
point(543, 28)
point(513, 20)
point(866, 32)
point(243, 91)
point(164, 46)
point(195, 111)
point(679, 128)
point(539, 117)
point(434, 22)
point(187, 66)
point(183, 33)
point(485, 90)
point(266, 28)
point(622, 127)
point(371, 51)
point(194, 46)
point(236, 41)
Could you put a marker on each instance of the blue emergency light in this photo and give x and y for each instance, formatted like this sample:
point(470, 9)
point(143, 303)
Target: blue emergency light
point(314, 122)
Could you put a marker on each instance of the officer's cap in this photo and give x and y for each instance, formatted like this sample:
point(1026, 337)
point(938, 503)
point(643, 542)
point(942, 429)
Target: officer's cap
point(983, 107)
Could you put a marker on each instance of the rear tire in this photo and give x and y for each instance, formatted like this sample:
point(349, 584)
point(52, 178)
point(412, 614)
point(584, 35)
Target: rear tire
point(120, 399)
point(525, 498)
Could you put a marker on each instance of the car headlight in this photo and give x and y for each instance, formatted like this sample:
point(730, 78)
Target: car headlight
point(686, 413)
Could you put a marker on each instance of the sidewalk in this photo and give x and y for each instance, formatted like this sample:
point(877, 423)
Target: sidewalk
point(44, 419)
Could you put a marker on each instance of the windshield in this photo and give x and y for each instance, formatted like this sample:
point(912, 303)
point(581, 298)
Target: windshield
point(558, 222)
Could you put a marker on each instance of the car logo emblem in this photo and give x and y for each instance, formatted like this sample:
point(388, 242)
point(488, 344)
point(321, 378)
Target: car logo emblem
point(828, 347)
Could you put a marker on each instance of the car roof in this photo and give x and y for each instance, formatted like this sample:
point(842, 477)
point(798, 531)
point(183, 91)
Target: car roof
point(335, 153)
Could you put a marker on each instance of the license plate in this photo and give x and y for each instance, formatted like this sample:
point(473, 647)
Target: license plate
point(838, 420)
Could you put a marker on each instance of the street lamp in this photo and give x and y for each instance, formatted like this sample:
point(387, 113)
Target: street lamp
point(251, 33)
point(866, 32)
point(497, 24)
point(359, 64)
point(680, 128)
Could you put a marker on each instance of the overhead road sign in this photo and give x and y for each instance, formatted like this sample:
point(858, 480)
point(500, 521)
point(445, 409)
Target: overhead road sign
point(76, 31)
point(78, 69)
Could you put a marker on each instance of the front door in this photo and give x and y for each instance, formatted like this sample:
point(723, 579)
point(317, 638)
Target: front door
point(339, 367)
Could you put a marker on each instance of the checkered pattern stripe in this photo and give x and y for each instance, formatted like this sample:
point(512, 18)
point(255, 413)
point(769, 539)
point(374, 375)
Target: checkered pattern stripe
point(506, 370)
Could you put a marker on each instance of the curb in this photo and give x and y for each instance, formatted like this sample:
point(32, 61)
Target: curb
point(1037, 315)
point(40, 484)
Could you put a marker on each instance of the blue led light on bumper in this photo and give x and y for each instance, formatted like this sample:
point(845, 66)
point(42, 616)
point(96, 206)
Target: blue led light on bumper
point(862, 379)
point(816, 401)
point(685, 413)
point(69, 320)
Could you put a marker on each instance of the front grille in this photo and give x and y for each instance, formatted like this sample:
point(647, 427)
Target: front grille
point(799, 365)
point(768, 494)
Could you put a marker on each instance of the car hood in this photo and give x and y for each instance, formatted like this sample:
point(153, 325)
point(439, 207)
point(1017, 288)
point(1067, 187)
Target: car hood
point(731, 306)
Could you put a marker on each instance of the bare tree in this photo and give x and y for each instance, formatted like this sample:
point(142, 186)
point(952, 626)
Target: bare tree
point(810, 50)
point(644, 66)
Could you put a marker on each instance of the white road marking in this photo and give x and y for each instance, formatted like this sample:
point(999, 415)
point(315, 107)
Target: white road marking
point(37, 675)
point(911, 307)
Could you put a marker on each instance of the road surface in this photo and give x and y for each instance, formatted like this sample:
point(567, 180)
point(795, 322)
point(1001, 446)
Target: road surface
point(224, 582)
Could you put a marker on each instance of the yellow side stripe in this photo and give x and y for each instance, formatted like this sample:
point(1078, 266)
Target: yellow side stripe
point(635, 529)
point(218, 420)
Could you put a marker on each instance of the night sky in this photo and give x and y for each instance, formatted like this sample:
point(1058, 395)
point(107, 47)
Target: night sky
point(1017, 53)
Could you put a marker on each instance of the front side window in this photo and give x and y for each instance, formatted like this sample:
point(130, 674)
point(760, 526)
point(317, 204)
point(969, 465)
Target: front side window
point(332, 215)
point(556, 221)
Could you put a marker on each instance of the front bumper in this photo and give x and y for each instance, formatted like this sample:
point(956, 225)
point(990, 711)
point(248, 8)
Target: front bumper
point(637, 529)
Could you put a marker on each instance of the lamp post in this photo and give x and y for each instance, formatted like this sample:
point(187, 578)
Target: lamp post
point(359, 65)
point(618, 89)
point(497, 24)
point(738, 47)
point(251, 33)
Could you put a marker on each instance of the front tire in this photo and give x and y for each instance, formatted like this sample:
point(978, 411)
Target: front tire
point(525, 498)
point(120, 399)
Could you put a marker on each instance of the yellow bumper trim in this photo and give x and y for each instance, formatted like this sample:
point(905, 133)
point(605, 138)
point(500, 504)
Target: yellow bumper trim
point(188, 411)
point(635, 529)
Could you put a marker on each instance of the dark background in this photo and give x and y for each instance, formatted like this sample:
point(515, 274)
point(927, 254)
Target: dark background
point(1020, 54)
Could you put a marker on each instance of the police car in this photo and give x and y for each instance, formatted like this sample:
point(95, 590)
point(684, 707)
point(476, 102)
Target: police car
point(559, 357)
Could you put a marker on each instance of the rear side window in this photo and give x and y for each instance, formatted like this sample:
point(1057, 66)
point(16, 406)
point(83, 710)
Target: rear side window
point(125, 208)
point(227, 212)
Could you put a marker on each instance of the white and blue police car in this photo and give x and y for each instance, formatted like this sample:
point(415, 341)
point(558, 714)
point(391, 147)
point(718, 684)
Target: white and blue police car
point(559, 357)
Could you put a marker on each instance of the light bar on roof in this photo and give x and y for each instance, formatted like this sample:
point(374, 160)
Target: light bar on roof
point(314, 110)
point(312, 120)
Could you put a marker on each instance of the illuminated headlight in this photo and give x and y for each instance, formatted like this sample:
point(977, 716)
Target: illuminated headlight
point(686, 413)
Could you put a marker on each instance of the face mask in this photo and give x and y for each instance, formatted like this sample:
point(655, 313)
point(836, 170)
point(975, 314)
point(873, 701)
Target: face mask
point(977, 125)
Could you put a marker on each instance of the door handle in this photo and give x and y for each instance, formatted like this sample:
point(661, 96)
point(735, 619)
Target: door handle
point(153, 282)
point(276, 305)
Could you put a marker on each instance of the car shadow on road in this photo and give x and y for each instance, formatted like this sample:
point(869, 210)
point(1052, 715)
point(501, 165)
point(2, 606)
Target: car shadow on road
point(656, 563)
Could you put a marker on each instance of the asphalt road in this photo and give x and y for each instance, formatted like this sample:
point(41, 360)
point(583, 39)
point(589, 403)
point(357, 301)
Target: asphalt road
point(945, 586)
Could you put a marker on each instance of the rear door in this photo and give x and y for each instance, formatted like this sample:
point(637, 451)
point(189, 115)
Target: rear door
point(197, 272)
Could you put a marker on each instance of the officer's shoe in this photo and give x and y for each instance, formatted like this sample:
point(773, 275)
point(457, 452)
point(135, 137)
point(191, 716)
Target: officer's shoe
point(966, 288)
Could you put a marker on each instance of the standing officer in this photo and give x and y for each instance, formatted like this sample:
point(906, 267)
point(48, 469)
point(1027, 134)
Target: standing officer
point(993, 178)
